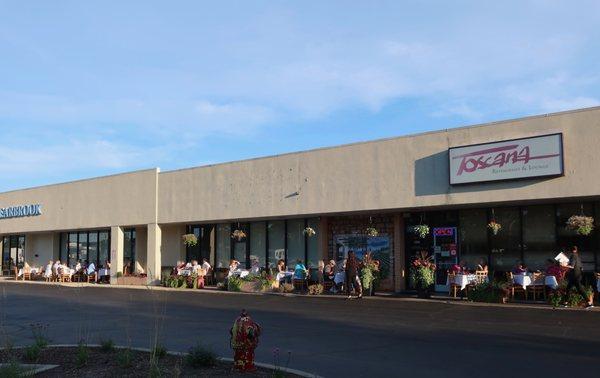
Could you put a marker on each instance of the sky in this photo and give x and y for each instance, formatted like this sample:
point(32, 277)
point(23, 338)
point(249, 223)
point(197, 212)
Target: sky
point(91, 88)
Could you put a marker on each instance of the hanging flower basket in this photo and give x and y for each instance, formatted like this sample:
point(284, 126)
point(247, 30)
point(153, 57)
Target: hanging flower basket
point(238, 235)
point(422, 230)
point(372, 232)
point(495, 227)
point(309, 231)
point(581, 224)
point(190, 240)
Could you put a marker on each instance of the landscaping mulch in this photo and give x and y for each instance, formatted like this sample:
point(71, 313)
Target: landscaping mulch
point(102, 364)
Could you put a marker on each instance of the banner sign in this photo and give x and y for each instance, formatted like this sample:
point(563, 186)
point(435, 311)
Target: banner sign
point(20, 211)
point(538, 156)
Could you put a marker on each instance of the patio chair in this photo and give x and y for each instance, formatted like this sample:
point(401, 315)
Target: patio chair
point(91, 278)
point(481, 276)
point(27, 276)
point(515, 288)
point(65, 278)
point(538, 285)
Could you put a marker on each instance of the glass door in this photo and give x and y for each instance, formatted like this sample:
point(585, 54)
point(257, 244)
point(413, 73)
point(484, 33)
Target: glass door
point(445, 254)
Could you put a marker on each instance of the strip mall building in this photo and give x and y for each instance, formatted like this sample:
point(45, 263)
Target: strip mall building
point(530, 175)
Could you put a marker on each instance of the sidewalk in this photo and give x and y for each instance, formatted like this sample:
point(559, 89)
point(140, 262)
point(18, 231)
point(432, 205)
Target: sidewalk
point(407, 297)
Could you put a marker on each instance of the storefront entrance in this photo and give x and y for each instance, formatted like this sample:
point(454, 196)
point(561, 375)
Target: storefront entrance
point(13, 248)
point(445, 254)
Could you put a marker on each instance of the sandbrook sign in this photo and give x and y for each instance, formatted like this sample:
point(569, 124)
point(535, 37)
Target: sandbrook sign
point(538, 156)
point(20, 211)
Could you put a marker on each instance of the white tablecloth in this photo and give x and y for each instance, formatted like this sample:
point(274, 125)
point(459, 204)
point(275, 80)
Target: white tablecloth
point(522, 280)
point(551, 281)
point(464, 279)
point(339, 278)
point(283, 275)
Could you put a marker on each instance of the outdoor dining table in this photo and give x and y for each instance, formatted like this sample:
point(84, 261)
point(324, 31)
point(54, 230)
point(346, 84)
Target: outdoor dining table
point(283, 275)
point(551, 281)
point(103, 272)
point(464, 279)
point(32, 271)
point(523, 280)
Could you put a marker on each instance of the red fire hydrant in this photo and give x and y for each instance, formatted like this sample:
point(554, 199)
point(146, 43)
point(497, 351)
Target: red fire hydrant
point(244, 340)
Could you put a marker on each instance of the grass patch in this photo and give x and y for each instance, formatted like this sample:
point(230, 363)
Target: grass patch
point(83, 354)
point(124, 358)
point(107, 345)
point(32, 353)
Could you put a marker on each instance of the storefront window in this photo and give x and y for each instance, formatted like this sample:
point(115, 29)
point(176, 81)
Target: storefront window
point(295, 242)
point(72, 254)
point(276, 242)
point(258, 240)
point(83, 247)
point(93, 248)
point(223, 246)
point(240, 246)
point(313, 243)
point(104, 249)
point(129, 250)
point(539, 235)
point(473, 237)
point(506, 246)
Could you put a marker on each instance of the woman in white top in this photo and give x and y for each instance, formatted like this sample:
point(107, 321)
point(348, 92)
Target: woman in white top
point(233, 267)
point(48, 270)
point(55, 267)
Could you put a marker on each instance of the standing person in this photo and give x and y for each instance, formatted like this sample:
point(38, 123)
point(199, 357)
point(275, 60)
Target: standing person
point(352, 268)
point(575, 275)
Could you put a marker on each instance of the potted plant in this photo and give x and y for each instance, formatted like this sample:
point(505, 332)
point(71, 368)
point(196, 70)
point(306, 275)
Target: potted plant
point(190, 240)
point(371, 232)
point(581, 224)
point(369, 272)
point(495, 227)
point(239, 235)
point(309, 231)
point(422, 230)
point(422, 274)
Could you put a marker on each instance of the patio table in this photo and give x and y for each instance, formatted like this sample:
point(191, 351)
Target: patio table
point(464, 279)
point(551, 281)
point(283, 275)
point(522, 280)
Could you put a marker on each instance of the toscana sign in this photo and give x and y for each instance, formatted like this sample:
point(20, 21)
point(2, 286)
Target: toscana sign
point(21, 211)
point(538, 156)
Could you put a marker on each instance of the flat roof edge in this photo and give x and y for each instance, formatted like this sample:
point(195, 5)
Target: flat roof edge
point(477, 125)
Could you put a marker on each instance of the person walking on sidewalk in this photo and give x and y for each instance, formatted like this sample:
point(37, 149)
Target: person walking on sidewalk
point(352, 268)
point(575, 276)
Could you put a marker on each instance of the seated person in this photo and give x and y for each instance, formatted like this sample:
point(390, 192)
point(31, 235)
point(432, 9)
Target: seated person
point(55, 267)
point(482, 266)
point(300, 271)
point(321, 272)
point(456, 269)
point(255, 268)
point(233, 267)
point(329, 271)
point(48, 270)
point(206, 266)
point(78, 267)
point(519, 268)
point(553, 268)
point(196, 267)
point(91, 269)
point(26, 268)
point(127, 268)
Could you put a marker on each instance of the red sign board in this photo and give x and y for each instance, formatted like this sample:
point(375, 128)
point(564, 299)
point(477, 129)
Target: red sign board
point(443, 231)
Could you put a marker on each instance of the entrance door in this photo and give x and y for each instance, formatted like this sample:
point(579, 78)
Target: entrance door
point(445, 254)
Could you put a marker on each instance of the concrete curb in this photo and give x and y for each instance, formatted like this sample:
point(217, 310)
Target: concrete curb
point(173, 353)
point(32, 369)
point(445, 300)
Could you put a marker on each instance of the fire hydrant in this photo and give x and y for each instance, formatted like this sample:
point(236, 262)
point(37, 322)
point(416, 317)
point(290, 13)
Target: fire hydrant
point(244, 340)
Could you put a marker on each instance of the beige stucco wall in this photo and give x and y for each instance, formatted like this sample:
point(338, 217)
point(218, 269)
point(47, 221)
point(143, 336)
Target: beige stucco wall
point(125, 199)
point(42, 244)
point(399, 173)
point(172, 247)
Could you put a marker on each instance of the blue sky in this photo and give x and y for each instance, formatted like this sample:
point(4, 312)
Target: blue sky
point(100, 87)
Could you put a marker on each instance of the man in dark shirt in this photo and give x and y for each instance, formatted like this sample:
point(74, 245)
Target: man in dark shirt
point(575, 275)
point(352, 268)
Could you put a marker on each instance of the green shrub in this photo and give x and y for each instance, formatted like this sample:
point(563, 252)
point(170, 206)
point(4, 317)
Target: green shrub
point(124, 358)
point(316, 289)
point(200, 356)
point(490, 292)
point(39, 331)
point(234, 284)
point(83, 354)
point(32, 353)
point(107, 345)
